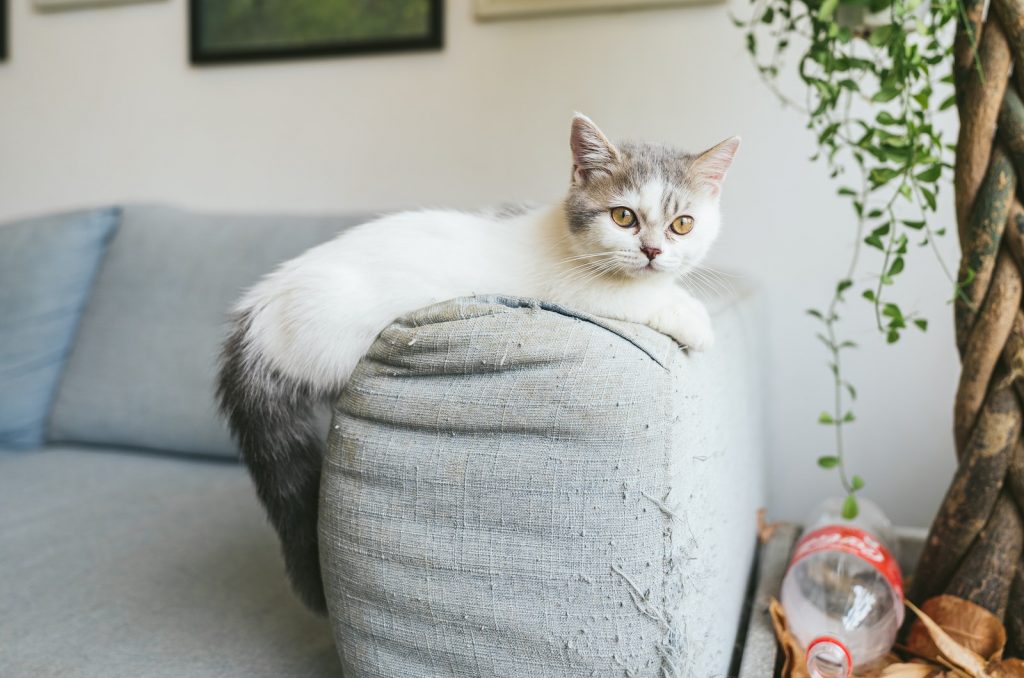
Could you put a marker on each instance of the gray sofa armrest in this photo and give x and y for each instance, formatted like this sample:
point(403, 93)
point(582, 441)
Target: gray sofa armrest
point(512, 488)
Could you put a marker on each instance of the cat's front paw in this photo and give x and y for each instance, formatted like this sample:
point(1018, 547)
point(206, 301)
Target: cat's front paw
point(689, 325)
point(699, 337)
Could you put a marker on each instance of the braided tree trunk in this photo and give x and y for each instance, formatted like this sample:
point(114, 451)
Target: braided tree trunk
point(975, 545)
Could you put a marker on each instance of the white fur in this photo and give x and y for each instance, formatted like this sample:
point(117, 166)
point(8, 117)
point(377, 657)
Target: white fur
point(317, 315)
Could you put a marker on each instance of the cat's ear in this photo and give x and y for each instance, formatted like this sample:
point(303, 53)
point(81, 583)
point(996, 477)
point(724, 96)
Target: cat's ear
point(591, 151)
point(711, 166)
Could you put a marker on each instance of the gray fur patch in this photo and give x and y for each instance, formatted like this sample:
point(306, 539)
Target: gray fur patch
point(509, 210)
point(274, 419)
point(637, 165)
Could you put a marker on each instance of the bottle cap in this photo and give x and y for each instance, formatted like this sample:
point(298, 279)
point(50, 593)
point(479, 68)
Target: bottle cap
point(827, 657)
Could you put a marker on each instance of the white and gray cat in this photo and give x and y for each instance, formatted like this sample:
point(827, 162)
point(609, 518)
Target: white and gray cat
point(636, 219)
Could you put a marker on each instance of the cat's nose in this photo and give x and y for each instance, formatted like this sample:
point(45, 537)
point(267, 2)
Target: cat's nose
point(651, 252)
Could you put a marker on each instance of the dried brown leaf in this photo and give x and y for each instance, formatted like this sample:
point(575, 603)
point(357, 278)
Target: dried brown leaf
point(878, 668)
point(946, 648)
point(794, 665)
point(765, 530)
point(1007, 668)
point(911, 670)
point(970, 626)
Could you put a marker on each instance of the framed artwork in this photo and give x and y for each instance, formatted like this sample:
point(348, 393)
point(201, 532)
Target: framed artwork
point(246, 30)
point(506, 9)
point(47, 5)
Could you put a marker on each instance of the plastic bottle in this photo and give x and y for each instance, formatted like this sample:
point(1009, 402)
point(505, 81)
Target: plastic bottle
point(843, 591)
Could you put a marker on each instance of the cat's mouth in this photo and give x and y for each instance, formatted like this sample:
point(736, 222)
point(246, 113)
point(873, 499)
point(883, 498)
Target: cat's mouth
point(650, 267)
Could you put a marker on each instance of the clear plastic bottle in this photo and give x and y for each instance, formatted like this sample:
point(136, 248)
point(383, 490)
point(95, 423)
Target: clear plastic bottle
point(843, 591)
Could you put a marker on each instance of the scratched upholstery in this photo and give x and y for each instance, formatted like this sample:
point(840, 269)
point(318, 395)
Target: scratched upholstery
point(517, 489)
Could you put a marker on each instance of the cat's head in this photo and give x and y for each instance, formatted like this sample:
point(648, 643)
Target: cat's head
point(642, 209)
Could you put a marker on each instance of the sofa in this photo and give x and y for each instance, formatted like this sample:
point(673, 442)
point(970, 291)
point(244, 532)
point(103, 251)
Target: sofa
point(511, 488)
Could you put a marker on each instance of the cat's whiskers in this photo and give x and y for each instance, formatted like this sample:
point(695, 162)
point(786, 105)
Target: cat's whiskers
point(585, 260)
point(572, 271)
point(718, 280)
point(709, 287)
point(589, 255)
point(584, 274)
point(709, 269)
point(589, 272)
point(693, 281)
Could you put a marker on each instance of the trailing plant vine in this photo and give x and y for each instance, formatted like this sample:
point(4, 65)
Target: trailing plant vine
point(869, 67)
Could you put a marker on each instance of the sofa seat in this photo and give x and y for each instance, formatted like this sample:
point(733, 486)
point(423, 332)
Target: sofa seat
point(125, 563)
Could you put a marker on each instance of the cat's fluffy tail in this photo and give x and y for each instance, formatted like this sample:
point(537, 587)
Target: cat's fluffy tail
point(273, 418)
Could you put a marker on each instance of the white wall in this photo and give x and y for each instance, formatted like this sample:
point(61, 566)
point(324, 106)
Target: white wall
point(100, 106)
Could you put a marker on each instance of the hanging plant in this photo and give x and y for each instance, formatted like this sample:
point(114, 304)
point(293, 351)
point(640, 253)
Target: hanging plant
point(874, 73)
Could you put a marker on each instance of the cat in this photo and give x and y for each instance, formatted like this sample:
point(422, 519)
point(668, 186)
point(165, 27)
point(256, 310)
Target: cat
point(635, 220)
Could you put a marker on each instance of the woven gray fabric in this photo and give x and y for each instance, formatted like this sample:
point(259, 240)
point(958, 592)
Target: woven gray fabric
point(515, 489)
point(126, 565)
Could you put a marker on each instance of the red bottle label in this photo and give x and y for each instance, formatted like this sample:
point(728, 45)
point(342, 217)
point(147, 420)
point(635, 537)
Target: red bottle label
point(856, 542)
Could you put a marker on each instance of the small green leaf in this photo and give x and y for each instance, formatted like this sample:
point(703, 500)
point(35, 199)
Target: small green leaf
point(922, 324)
point(881, 35)
point(827, 9)
point(881, 175)
point(892, 337)
point(843, 286)
point(850, 508)
point(828, 461)
point(916, 225)
point(929, 197)
point(869, 295)
point(885, 118)
point(897, 266)
point(885, 94)
point(816, 313)
point(848, 418)
point(923, 97)
point(931, 174)
point(857, 483)
point(825, 418)
point(852, 390)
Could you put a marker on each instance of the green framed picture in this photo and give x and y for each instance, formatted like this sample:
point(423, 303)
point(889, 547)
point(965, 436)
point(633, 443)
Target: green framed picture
point(246, 30)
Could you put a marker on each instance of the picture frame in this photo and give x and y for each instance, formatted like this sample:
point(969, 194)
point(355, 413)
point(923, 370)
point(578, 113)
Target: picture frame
point(3, 30)
point(203, 49)
point(487, 10)
point(60, 5)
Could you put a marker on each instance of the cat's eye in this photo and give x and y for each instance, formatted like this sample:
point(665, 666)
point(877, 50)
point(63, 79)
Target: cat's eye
point(623, 216)
point(682, 225)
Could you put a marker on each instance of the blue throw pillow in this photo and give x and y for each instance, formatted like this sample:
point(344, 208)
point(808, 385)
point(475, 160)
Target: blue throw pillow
point(47, 266)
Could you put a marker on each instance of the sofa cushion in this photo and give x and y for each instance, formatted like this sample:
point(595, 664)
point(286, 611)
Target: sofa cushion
point(122, 565)
point(47, 266)
point(512, 488)
point(143, 368)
